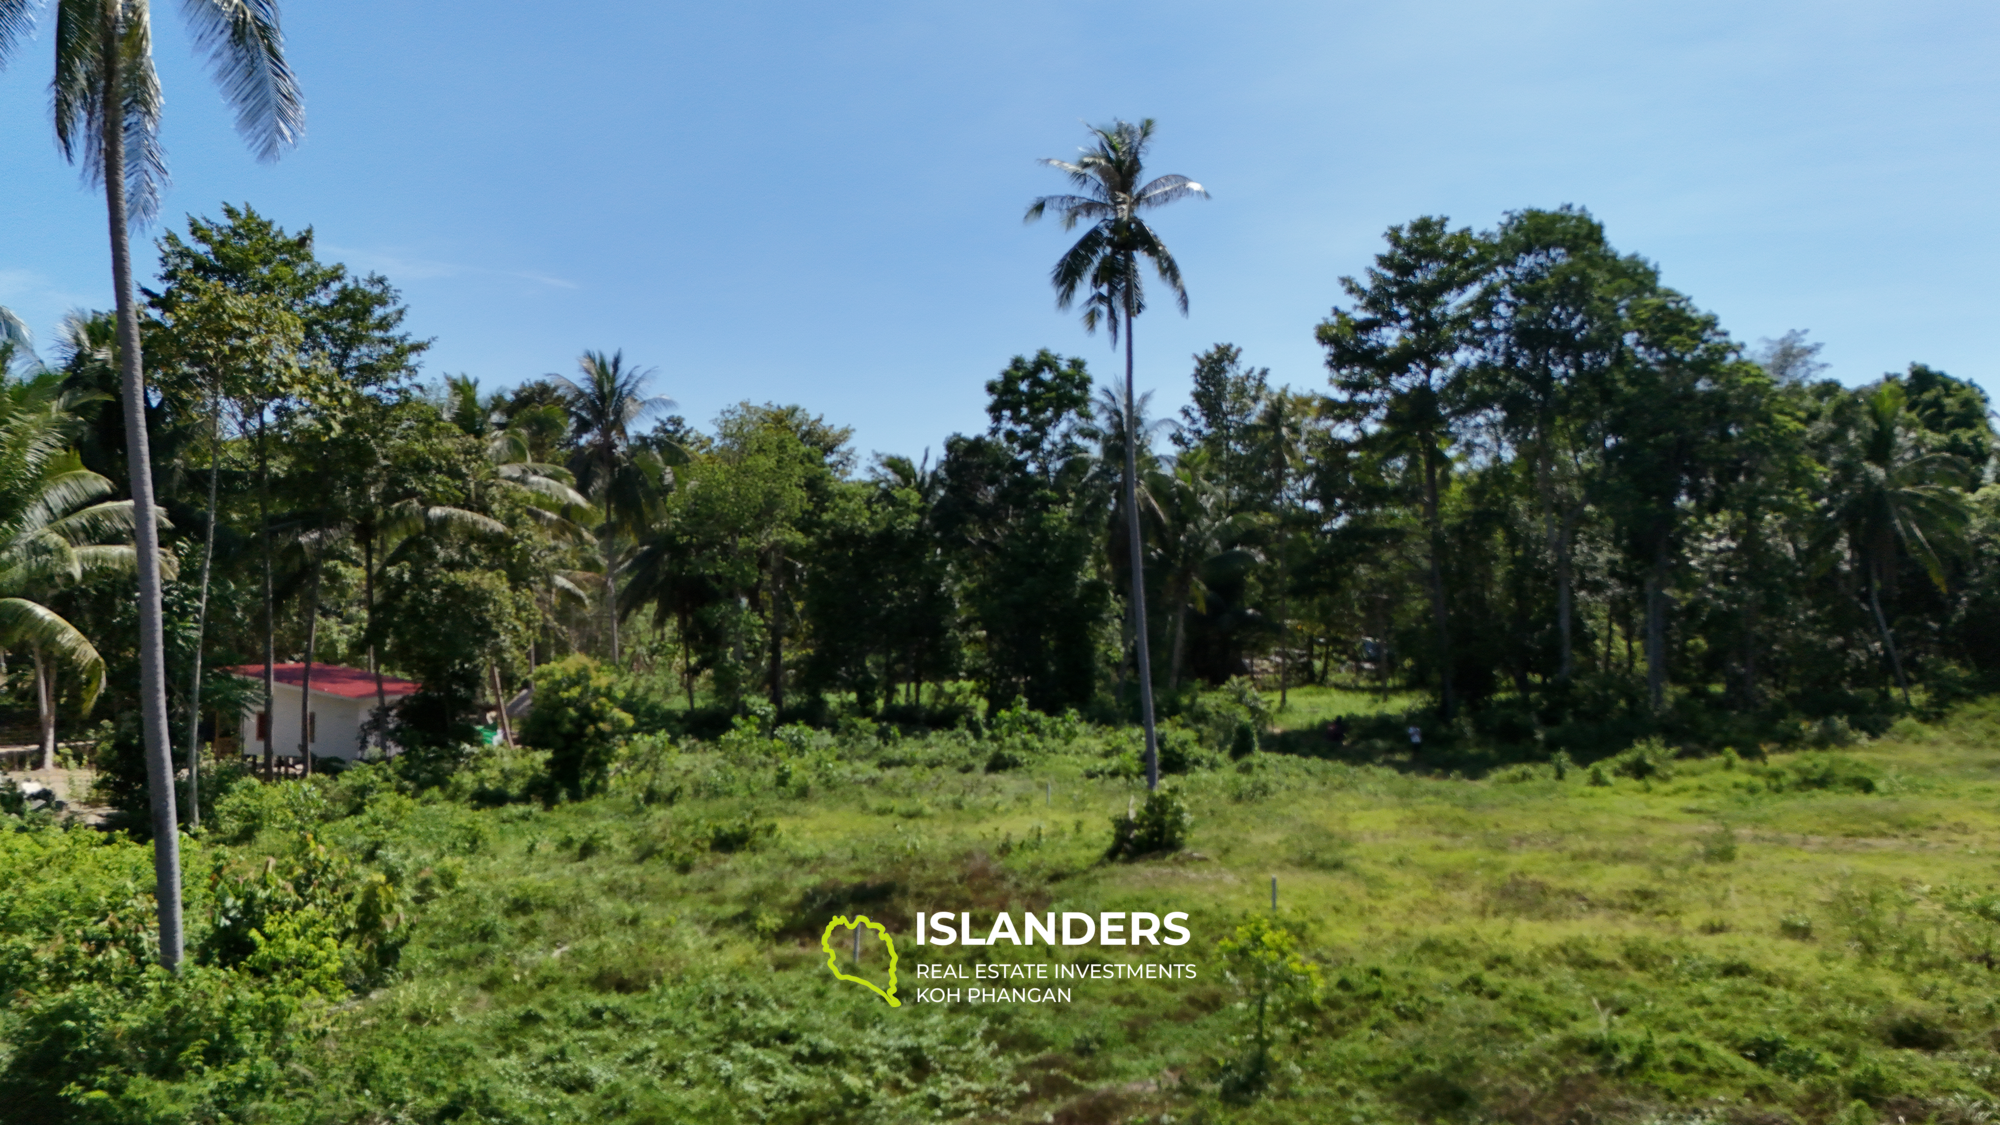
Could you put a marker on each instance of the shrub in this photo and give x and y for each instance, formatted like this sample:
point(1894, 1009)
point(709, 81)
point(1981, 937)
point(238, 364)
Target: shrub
point(576, 718)
point(1648, 760)
point(1832, 772)
point(1263, 958)
point(502, 775)
point(1243, 741)
point(1160, 825)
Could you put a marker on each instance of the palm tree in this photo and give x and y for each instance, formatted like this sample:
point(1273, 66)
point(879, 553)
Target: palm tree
point(1892, 492)
point(53, 520)
point(603, 405)
point(1193, 532)
point(107, 111)
point(1104, 263)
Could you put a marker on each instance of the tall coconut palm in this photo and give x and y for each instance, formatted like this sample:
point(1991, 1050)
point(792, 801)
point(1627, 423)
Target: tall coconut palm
point(1104, 265)
point(107, 113)
point(604, 403)
point(1892, 492)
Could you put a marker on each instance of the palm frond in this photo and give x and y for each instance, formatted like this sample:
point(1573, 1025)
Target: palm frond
point(88, 32)
point(13, 330)
point(27, 624)
point(17, 22)
point(246, 51)
point(1165, 190)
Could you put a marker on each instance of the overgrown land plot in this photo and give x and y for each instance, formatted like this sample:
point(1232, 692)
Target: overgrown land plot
point(1809, 935)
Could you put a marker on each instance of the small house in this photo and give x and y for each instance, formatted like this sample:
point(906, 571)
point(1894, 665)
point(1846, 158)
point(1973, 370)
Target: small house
point(342, 700)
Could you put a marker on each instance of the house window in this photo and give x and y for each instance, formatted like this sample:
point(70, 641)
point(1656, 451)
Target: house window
point(263, 726)
point(312, 726)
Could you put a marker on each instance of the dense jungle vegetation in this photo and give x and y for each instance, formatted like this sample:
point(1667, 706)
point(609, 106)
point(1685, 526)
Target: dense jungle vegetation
point(1538, 487)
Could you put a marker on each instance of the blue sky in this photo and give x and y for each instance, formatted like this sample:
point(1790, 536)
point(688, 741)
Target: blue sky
point(821, 203)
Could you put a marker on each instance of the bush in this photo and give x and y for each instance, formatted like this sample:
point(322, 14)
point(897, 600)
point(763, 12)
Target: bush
point(1648, 760)
point(1243, 740)
point(1160, 825)
point(576, 718)
point(502, 775)
point(1830, 772)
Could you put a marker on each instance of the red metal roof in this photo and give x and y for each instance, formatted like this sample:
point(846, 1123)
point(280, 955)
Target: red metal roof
point(333, 679)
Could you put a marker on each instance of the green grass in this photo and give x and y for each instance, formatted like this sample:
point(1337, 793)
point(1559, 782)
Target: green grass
point(1744, 941)
point(1312, 707)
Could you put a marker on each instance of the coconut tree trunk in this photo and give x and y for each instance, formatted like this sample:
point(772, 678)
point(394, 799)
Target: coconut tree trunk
point(270, 722)
point(45, 708)
point(1138, 563)
point(610, 586)
point(368, 615)
point(306, 681)
point(1888, 638)
point(1180, 643)
point(1440, 611)
point(146, 528)
point(201, 612)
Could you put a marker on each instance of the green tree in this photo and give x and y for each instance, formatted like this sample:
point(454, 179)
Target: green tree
point(604, 403)
point(1104, 263)
point(1196, 536)
point(1017, 512)
point(1889, 492)
point(1221, 416)
point(1552, 317)
point(54, 520)
point(578, 721)
point(209, 344)
point(1400, 356)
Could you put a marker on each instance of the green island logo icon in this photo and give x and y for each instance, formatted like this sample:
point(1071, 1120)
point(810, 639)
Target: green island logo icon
point(833, 958)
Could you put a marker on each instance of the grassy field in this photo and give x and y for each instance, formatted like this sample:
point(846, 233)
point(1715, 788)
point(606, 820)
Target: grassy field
point(1813, 937)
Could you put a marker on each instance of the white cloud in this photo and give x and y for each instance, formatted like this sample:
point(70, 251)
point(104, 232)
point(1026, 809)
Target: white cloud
point(401, 267)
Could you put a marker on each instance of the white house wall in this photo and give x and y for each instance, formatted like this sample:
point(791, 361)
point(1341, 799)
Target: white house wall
point(339, 724)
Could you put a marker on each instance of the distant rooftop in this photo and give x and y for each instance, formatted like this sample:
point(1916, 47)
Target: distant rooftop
point(333, 679)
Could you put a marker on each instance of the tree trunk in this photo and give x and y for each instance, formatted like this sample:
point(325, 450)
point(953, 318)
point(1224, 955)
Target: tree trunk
point(1284, 634)
point(1138, 563)
point(306, 682)
point(1888, 638)
point(368, 618)
point(270, 723)
point(687, 657)
point(45, 707)
point(1180, 643)
point(1440, 612)
point(610, 587)
point(775, 616)
point(500, 697)
point(1565, 596)
point(1656, 630)
point(146, 528)
point(201, 613)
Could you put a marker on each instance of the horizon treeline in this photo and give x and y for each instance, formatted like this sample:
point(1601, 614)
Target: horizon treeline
point(1533, 481)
